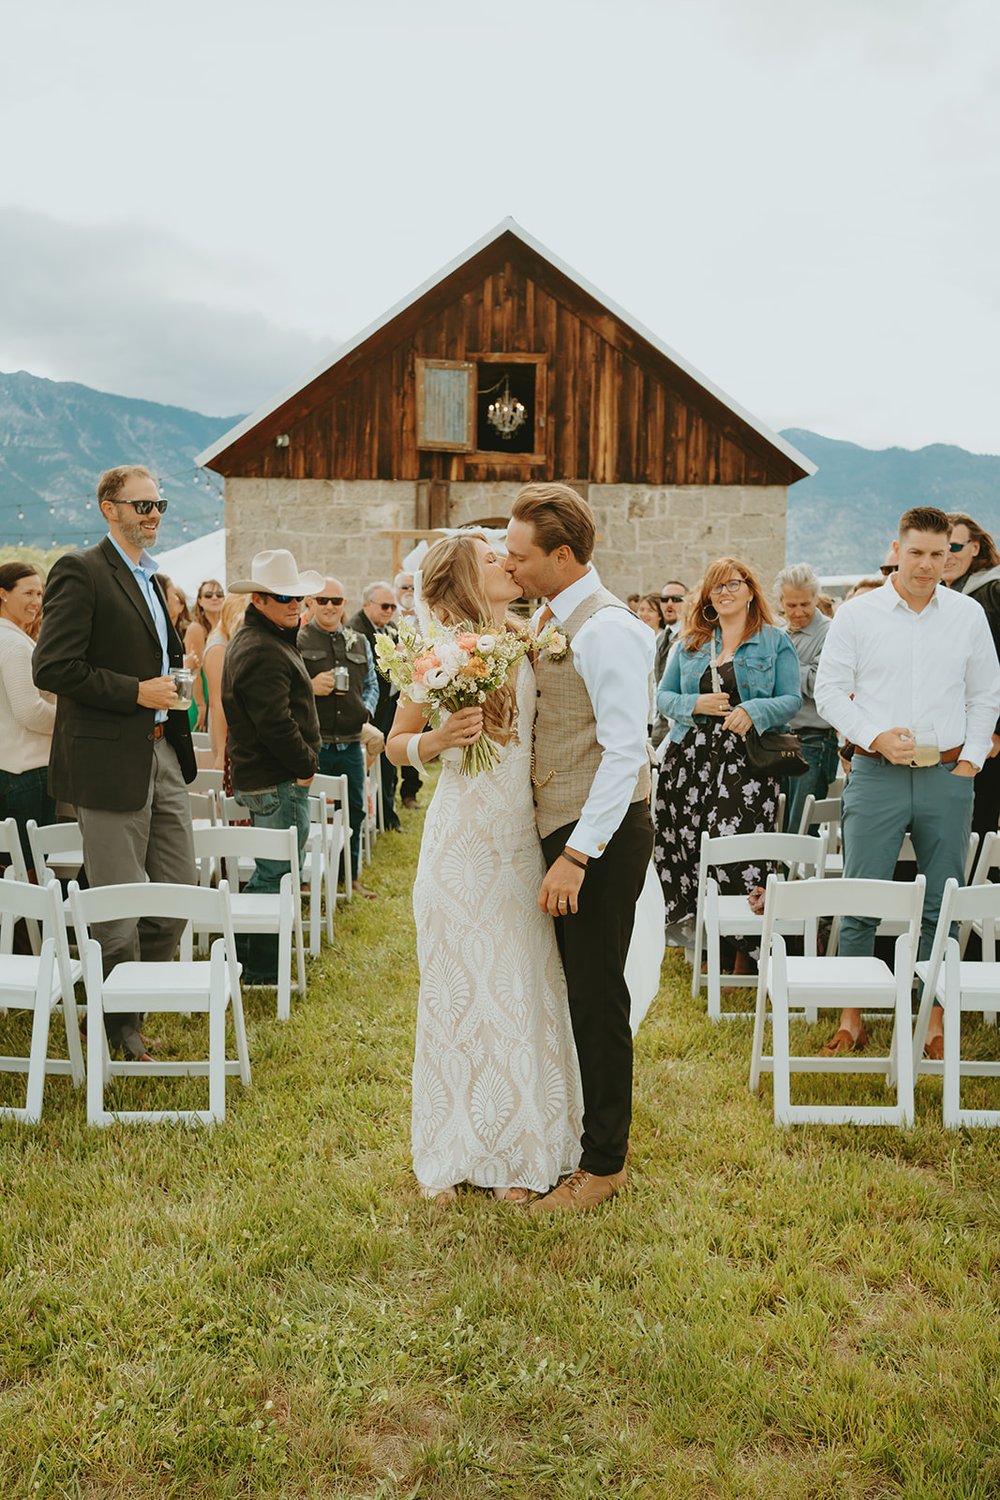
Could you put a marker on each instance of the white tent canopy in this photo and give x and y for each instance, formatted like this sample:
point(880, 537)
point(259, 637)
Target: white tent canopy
point(191, 563)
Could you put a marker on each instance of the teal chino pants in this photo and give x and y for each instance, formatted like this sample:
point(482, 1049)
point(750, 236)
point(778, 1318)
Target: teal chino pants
point(881, 803)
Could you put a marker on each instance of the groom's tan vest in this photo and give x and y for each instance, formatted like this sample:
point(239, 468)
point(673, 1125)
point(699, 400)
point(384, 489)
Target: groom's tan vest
point(565, 751)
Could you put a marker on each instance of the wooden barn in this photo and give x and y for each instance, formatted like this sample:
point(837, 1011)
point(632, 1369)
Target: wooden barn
point(505, 367)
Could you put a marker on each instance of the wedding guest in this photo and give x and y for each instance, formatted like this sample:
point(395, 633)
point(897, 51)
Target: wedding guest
point(177, 605)
point(972, 567)
point(27, 716)
point(826, 605)
point(207, 609)
point(342, 669)
point(906, 656)
point(213, 659)
point(632, 600)
point(672, 599)
point(707, 784)
point(119, 756)
point(863, 586)
point(797, 590)
point(650, 612)
point(378, 605)
point(274, 738)
point(409, 777)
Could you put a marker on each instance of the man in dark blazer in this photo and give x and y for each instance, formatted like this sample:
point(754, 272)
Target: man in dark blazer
point(372, 619)
point(118, 754)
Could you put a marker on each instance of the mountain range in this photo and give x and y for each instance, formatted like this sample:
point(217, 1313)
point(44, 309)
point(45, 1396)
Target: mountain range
point(56, 437)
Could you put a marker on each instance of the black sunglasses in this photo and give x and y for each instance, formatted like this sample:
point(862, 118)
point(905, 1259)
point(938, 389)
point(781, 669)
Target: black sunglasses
point(212, 594)
point(957, 546)
point(888, 568)
point(288, 598)
point(329, 598)
point(143, 507)
point(387, 607)
point(672, 598)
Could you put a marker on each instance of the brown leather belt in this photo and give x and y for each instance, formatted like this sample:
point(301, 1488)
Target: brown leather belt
point(159, 730)
point(948, 758)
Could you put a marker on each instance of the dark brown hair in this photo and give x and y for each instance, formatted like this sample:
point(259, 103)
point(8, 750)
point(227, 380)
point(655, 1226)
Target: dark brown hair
point(987, 556)
point(923, 518)
point(13, 572)
point(560, 516)
point(113, 481)
point(653, 600)
point(702, 616)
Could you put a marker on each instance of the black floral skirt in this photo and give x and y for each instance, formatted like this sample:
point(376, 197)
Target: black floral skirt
point(707, 785)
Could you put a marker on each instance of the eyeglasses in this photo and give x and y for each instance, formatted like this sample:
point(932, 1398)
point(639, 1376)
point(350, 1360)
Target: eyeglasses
point(212, 594)
point(143, 507)
point(731, 586)
point(887, 569)
point(672, 598)
point(957, 546)
point(287, 598)
point(329, 598)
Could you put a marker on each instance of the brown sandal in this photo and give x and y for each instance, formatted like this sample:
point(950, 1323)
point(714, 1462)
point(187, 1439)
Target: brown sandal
point(514, 1195)
point(843, 1042)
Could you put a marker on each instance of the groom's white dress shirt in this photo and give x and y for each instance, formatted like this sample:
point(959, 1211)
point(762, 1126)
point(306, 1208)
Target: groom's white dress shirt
point(613, 653)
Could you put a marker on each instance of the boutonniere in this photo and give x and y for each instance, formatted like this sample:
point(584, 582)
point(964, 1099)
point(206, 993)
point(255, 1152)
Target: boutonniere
point(350, 636)
point(552, 643)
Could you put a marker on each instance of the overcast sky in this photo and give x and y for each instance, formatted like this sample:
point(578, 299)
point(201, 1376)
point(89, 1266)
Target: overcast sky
point(802, 197)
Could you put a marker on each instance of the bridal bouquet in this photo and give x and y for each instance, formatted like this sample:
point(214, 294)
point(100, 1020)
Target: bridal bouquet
point(452, 668)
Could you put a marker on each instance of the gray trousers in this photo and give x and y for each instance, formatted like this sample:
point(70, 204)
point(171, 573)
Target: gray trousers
point(154, 843)
point(880, 804)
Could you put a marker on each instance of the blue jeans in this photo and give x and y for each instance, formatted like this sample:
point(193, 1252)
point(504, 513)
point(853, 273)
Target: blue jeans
point(819, 751)
point(26, 796)
point(349, 762)
point(283, 806)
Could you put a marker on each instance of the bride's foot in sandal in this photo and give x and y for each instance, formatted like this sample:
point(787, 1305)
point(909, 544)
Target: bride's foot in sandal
point(438, 1195)
point(514, 1195)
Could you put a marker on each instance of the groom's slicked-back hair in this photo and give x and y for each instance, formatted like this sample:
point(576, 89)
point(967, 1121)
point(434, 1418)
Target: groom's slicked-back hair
point(560, 517)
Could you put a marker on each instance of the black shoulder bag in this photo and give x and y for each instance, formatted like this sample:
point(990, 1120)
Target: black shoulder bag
point(772, 752)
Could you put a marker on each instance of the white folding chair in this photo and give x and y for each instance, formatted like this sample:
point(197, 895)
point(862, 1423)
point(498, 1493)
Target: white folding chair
point(989, 860)
point(204, 811)
point(779, 817)
point(10, 848)
point(831, 983)
point(278, 912)
point(334, 789)
point(56, 849)
point(314, 862)
point(204, 758)
point(960, 985)
point(719, 916)
point(41, 983)
point(826, 812)
point(199, 986)
point(201, 739)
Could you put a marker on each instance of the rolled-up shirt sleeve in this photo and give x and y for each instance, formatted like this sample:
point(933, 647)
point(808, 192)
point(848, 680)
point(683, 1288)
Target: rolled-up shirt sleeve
point(614, 658)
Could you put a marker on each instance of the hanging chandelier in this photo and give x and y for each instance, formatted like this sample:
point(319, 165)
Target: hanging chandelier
point(506, 413)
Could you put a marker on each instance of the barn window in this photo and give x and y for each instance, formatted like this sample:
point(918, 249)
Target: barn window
point(516, 379)
point(446, 404)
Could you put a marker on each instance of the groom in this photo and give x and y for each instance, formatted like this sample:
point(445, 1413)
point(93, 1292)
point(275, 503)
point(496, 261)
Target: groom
point(590, 772)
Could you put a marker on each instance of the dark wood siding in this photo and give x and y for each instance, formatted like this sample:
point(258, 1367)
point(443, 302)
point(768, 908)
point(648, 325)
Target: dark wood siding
point(619, 411)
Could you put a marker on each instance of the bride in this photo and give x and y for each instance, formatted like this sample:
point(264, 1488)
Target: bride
point(496, 1084)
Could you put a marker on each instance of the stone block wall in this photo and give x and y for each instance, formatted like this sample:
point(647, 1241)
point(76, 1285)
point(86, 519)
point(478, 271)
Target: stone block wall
point(648, 533)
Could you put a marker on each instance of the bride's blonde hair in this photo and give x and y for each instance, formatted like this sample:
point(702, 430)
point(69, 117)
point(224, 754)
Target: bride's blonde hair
point(453, 587)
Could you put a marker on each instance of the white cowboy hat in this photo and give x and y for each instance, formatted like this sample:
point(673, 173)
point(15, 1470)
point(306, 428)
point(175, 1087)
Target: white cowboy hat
point(277, 572)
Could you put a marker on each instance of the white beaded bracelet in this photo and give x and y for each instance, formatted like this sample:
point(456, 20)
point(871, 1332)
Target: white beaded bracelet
point(413, 752)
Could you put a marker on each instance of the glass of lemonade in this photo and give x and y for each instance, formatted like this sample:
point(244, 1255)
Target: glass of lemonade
point(184, 682)
point(926, 750)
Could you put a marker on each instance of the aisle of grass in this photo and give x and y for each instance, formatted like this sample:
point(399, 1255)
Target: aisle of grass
point(268, 1310)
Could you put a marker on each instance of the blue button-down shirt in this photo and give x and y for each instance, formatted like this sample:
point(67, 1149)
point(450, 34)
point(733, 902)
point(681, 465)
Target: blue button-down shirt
point(143, 572)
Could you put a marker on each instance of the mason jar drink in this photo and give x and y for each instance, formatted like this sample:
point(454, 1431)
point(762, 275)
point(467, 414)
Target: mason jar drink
point(184, 682)
point(926, 750)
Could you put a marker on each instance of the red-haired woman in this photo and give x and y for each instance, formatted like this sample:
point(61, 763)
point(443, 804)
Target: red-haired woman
point(707, 784)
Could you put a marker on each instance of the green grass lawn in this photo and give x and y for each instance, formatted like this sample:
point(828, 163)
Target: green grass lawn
point(267, 1309)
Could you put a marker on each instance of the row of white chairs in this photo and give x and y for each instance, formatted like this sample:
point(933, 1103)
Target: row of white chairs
point(225, 853)
point(871, 985)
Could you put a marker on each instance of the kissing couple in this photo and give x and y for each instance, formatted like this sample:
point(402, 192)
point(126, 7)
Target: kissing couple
point(529, 873)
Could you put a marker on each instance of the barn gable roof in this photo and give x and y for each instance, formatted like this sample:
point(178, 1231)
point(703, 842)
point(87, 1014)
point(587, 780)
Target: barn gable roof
point(295, 397)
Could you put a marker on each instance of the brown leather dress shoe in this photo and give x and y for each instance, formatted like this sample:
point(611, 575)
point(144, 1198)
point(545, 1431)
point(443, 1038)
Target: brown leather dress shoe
point(579, 1191)
point(934, 1048)
point(842, 1042)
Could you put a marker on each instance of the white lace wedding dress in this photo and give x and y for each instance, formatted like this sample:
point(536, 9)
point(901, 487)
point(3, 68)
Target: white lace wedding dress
point(496, 1085)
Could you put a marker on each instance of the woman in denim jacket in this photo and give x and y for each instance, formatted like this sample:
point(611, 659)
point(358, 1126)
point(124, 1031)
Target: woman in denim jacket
point(707, 785)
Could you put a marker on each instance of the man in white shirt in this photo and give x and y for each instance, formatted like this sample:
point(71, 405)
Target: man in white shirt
point(590, 771)
point(911, 658)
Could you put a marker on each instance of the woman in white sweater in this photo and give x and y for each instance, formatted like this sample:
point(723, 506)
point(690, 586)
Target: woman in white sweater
point(26, 715)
